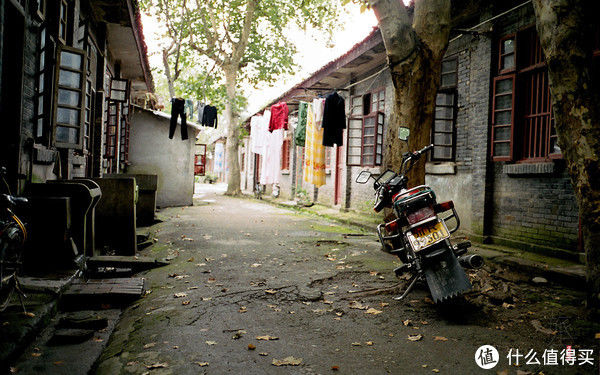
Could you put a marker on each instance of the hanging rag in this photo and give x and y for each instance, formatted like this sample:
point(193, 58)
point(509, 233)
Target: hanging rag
point(314, 151)
point(209, 116)
point(279, 116)
point(189, 108)
point(318, 106)
point(200, 111)
point(334, 120)
point(178, 109)
point(300, 133)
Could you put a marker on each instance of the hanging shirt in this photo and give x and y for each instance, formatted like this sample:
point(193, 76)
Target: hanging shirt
point(209, 116)
point(300, 133)
point(334, 120)
point(314, 151)
point(258, 132)
point(279, 116)
point(271, 160)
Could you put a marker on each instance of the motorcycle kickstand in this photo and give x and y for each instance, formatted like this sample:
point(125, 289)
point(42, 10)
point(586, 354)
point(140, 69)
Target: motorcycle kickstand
point(20, 293)
point(410, 287)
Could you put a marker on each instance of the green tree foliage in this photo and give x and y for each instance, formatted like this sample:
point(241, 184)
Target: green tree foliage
point(243, 40)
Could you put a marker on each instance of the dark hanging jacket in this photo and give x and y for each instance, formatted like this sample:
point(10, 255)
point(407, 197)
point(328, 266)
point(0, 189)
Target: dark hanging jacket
point(334, 120)
point(209, 116)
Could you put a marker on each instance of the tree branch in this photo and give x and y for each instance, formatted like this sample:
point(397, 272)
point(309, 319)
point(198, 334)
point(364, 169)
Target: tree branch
point(399, 38)
point(239, 48)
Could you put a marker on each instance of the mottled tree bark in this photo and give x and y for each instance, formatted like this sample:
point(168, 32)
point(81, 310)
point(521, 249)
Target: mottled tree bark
point(415, 51)
point(233, 134)
point(565, 31)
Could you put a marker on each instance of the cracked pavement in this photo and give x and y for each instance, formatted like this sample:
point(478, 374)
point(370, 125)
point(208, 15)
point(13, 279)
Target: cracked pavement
point(241, 269)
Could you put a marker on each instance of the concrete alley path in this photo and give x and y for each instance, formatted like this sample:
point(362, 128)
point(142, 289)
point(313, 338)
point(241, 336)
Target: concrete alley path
point(250, 285)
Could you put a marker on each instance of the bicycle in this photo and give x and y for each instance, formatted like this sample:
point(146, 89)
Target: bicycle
point(13, 235)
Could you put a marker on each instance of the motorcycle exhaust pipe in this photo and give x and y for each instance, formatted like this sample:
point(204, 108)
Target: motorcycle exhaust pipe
point(472, 261)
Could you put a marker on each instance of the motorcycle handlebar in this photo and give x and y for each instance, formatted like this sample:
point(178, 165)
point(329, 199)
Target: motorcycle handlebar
point(425, 149)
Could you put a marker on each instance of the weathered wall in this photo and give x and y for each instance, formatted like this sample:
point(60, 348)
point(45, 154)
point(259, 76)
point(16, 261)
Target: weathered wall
point(152, 152)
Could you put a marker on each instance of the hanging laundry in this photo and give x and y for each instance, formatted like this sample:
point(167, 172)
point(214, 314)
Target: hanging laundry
point(200, 111)
point(209, 116)
point(271, 159)
point(314, 151)
point(300, 133)
point(189, 108)
point(258, 134)
point(318, 106)
point(334, 120)
point(279, 116)
point(178, 109)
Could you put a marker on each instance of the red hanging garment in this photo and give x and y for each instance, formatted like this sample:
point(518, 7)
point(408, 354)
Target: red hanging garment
point(279, 116)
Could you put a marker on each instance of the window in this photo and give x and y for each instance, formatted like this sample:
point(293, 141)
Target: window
point(63, 11)
point(119, 90)
point(523, 132)
point(69, 94)
point(285, 155)
point(41, 99)
point(39, 8)
point(365, 129)
point(443, 131)
point(110, 148)
point(124, 134)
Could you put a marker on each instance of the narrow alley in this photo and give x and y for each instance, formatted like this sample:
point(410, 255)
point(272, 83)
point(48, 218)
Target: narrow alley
point(253, 288)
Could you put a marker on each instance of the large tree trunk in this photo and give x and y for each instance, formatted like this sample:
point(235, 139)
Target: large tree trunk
point(565, 35)
point(233, 134)
point(414, 54)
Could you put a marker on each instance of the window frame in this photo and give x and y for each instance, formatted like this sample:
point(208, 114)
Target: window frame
point(376, 110)
point(447, 91)
point(57, 87)
point(502, 71)
point(62, 22)
point(42, 75)
point(512, 118)
point(442, 74)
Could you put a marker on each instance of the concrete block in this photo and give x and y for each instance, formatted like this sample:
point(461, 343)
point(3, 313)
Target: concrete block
point(147, 188)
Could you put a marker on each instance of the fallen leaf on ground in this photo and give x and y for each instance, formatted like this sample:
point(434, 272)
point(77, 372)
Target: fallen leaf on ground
point(179, 295)
point(597, 336)
point(187, 239)
point(440, 338)
point(243, 309)
point(407, 322)
point(98, 339)
point(384, 304)
point(254, 265)
point(287, 361)
point(14, 370)
point(36, 354)
point(270, 291)
point(59, 363)
point(415, 337)
point(424, 322)
point(190, 259)
point(508, 305)
point(373, 311)
point(428, 300)
point(263, 354)
point(335, 368)
point(435, 370)
point(369, 343)
point(327, 302)
point(202, 364)
point(185, 303)
point(251, 347)
point(540, 328)
point(29, 314)
point(149, 345)
point(424, 366)
point(373, 273)
point(192, 287)
point(207, 236)
point(267, 338)
point(211, 280)
point(211, 343)
point(157, 365)
point(356, 344)
point(357, 305)
point(238, 334)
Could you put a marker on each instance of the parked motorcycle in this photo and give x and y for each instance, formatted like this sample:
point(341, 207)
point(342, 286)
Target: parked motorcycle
point(419, 233)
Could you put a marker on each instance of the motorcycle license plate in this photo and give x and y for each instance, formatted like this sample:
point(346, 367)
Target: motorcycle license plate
point(425, 236)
